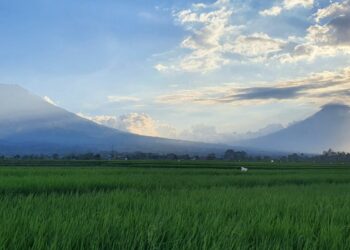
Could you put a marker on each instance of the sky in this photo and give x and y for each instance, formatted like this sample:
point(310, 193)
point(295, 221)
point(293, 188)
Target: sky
point(200, 70)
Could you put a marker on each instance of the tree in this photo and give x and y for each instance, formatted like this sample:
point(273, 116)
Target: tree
point(171, 157)
point(232, 155)
point(211, 157)
point(229, 155)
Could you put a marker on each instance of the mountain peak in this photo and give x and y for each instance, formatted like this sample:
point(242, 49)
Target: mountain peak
point(327, 128)
point(5, 88)
point(17, 103)
point(30, 125)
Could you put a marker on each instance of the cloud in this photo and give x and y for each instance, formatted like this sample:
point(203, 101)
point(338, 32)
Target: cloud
point(260, 93)
point(315, 88)
point(286, 5)
point(329, 36)
point(210, 31)
point(333, 10)
point(213, 41)
point(136, 123)
point(290, 4)
point(49, 100)
point(258, 44)
point(298, 52)
point(114, 98)
point(144, 124)
point(161, 68)
point(335, 32)
point(273, 11)
point(205, 133)
point(210, 134)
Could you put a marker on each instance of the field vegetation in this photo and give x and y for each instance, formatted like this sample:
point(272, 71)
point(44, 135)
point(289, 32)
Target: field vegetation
point(173, 205)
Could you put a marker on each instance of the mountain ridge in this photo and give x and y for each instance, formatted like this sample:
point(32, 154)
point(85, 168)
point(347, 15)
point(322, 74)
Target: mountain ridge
point(28, 122)
point(327, 128)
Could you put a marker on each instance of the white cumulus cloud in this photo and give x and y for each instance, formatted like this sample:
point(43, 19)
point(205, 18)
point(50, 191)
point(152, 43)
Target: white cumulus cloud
point(286, 5)
point(273, 11)
point(210, 31)
point(290, 4)
point(136, 123)
point(214, 41)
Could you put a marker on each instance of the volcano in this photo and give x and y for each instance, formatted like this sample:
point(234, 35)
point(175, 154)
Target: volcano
point(31, 125)
point(328, 128)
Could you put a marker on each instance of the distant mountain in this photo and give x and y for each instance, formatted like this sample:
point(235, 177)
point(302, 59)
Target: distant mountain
point(269, 129)
point(31, 125)
point(328, 128)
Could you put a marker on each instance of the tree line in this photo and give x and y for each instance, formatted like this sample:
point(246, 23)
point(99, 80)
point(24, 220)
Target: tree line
point(328, 156)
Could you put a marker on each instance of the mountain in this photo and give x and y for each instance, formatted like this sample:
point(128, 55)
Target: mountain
point(269, 129)
point(31, 125)
point(328, 128)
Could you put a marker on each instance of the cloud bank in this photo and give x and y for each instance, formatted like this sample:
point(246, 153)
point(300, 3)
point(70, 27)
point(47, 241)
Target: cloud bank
point(214, 40)
point(318, 88)
point(136, 123)
point(286, 5)
point(144, 124)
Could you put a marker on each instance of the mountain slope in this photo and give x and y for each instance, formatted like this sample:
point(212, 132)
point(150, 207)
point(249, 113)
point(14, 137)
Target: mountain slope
point(29, 124)
point(328, 128)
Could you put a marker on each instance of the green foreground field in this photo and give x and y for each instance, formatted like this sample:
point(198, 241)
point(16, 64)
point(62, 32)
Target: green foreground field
point(174, 205)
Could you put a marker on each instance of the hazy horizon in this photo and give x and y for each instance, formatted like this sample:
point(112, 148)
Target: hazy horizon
point(200, 70)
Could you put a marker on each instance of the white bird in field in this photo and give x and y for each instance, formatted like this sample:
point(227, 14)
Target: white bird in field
point(243, 169)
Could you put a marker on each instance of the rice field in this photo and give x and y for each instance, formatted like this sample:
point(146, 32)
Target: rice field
point(173, 205)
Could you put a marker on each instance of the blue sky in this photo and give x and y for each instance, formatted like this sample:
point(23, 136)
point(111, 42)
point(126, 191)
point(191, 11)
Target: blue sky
point(180, 69)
